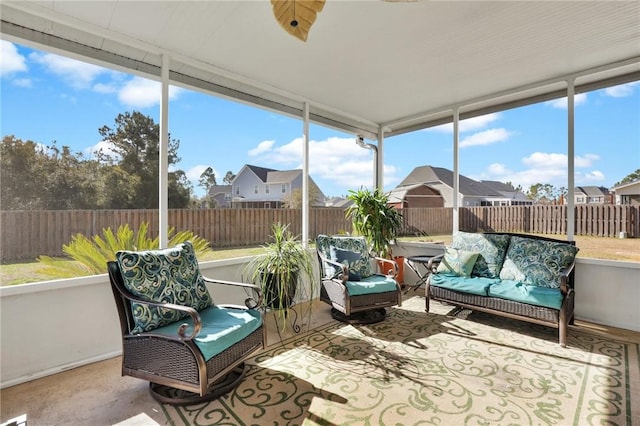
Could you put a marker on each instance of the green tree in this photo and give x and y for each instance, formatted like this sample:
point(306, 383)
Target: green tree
point(135, 142)
point(542, 193)
point(35, 176)
point(207, 180)
point(631, 177)
point(293, 200)
point(228, 178)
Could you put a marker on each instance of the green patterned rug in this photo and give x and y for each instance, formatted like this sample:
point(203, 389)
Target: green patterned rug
point(416, 368)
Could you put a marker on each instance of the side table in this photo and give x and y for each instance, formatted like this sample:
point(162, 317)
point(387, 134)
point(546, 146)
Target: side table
point(423, 266)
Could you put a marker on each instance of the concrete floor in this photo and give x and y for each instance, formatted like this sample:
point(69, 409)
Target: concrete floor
point(96, 394)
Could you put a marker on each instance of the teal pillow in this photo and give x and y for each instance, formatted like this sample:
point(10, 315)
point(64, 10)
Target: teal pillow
point(169, 275)
point(537, 262)
point(457, 262)
point(492, 249)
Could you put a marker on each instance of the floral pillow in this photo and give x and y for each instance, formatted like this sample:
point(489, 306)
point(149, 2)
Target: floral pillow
point(457, 262)
point(492, 249)
point(170, 275)
point(537, 262)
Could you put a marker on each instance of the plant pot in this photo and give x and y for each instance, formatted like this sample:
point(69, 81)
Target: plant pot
point(276, 295)
point(386, 268)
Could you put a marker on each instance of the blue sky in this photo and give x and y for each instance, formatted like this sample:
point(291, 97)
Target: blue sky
point(46, 98)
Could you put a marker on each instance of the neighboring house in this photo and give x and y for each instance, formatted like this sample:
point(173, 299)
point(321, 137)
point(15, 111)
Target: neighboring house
point(471, 192)
point(338, 202)
point(220, 195)
point(592, 195)
point(417, 195)
point(260, 187)
point(628, 193)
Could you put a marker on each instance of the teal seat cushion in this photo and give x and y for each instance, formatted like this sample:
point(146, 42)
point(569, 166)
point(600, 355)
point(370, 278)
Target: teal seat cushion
point(526, 293)
point(492, 249)
point(471, 285)
point(537, 262)
point(168, 275)
point(371, 285)
point(221, 328)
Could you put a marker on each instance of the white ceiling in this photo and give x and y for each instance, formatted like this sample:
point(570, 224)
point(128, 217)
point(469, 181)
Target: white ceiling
point(399, 65)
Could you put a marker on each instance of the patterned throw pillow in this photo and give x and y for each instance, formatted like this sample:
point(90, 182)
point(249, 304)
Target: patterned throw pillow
point(361, 266)
point(537, 262)
point(458, 262)
point(492, 249)
point(170, 275)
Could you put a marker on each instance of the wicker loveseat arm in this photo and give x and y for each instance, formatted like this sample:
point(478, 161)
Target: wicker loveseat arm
point(566, 278)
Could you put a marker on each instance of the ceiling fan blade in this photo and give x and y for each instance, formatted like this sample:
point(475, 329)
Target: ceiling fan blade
point(297, 16)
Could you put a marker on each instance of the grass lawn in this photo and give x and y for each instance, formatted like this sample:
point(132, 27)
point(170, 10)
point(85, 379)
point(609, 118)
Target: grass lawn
point(627, 249)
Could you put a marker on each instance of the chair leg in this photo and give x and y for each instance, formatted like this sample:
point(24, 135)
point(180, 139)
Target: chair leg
point(172, 396)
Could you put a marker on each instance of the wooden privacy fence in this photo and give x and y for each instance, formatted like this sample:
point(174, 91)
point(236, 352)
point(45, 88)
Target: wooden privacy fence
point(29, 234)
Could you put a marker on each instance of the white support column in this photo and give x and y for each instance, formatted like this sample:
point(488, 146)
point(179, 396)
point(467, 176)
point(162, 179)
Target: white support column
point(380, 160)
point(456, 171)
point(305, 175)
point(571, 209)
point(163, 178)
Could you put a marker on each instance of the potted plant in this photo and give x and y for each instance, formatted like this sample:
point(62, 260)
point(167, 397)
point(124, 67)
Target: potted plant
point(373, 217)
point(281, 269)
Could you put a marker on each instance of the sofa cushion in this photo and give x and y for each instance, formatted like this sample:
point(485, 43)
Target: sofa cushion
point(351, 259)
point(371, 285)
point(472, 285)
point(169, 275)
point(457, 262)
point(526, 293)
point(492, 249)
point(537, 262)
point(221, 328)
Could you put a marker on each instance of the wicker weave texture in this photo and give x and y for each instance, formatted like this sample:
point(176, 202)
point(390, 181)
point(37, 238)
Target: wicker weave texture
point(234, 354)
point(496, 304)
point(160, 357)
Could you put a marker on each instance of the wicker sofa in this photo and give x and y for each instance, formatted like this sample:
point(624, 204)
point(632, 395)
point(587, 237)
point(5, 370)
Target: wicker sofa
point(526, 277)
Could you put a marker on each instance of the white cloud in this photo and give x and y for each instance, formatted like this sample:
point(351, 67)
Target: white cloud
point(545, 167)
point(486, 137)
point(337, 160)
point(77, 74)
point(23, 82)
point(193, 174)
point(105, 88)
point(561, 103)
point(11, 61)
point(621, 90)
point(104, 146)
point(470, 124)
point(264, 146)
point(142, 93)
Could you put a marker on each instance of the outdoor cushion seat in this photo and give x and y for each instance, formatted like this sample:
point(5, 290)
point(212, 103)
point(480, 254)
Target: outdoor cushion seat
point(349, 284)
point(471, 285)
point(527, 293)
point(189, 348)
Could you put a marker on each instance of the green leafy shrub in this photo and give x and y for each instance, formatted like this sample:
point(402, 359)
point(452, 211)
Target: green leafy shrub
point(90, 255)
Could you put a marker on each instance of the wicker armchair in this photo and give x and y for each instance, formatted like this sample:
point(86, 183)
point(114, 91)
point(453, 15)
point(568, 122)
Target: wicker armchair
point(349, 284)
point(173, 335)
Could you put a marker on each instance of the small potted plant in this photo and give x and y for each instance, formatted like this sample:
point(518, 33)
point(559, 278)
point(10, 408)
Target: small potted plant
point(373, 217)
point(281, 269)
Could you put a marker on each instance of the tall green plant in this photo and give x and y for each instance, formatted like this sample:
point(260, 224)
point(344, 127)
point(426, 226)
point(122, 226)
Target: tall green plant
point(91, 254)
point(373, 217)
